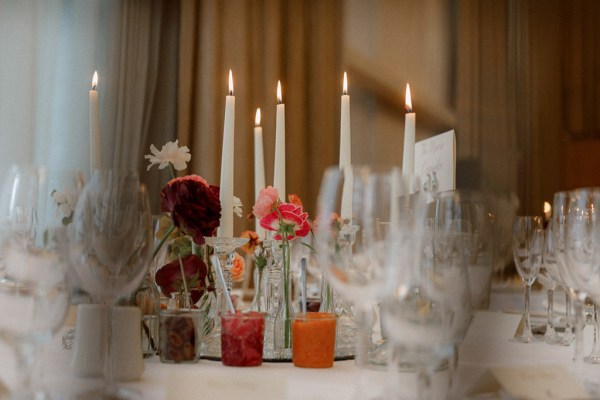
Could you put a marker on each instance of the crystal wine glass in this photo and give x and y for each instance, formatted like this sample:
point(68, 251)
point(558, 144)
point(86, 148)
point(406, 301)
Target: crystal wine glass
point(528, 240)
point(548, 276)
point(34, 273)
point(352, 251)
point(111, 245)
point(428, 315)
point(583, 233)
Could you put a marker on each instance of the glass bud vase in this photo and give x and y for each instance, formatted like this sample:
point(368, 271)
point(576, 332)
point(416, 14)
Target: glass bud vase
point(147, 298)
point(278, 337)
point(259, 302)
point(282, 329)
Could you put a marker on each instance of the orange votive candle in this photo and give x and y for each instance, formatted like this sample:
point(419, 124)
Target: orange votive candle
point(313, 340)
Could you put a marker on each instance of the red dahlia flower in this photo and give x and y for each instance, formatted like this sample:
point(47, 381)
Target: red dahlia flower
point(168, 277)
point(193, 204)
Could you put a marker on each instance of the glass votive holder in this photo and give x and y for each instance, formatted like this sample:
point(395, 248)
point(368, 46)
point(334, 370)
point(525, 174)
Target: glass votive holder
point(180, 335)
point(313, 339)
point(242, 338)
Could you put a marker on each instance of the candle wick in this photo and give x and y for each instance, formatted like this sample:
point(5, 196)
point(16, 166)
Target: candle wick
point(94, 87)
point(231, 92)
point(408, 109)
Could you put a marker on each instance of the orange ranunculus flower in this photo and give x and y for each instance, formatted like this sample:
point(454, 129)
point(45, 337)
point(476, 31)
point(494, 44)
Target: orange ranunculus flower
point(294, 199)
point(238, 268)
point(252, 243)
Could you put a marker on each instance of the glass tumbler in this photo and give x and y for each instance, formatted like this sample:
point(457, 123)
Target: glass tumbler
point(180, 335)
point(242, 338)
point(313, 339)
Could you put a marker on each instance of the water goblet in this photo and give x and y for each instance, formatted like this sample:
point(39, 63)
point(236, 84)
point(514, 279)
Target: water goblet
point(34, 273)
point(429, 313)
point(528, 240)
point(548, 276)
point(352, 251)
point(110, 249)
point(581, 248)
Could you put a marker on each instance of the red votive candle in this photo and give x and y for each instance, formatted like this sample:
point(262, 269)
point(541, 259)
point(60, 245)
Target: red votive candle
point(242, 338)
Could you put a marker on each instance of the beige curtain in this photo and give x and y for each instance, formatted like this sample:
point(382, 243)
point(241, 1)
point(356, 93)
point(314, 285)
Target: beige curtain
point(140, 103)
point(261, 41)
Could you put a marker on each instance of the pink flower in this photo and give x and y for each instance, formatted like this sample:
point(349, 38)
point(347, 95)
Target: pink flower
point(267, 198)
point(287, 219)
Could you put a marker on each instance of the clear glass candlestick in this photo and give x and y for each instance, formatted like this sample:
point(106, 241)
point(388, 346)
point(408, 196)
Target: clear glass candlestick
point(224, 248)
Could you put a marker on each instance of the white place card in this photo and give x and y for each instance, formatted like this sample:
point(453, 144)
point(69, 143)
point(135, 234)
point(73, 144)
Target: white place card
point(539, 382)
point(435, 163)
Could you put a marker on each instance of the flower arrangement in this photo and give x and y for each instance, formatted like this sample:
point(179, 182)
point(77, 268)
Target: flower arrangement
point(193, 210)
point(288, 221)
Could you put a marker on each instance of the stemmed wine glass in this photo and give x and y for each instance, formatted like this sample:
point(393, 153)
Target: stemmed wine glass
point(581, 245)
point(428, 315)
point(548, 276)
point(528, 240)
point(352, 251)
point(34, 273)
point(560, 212)
point(110, 248)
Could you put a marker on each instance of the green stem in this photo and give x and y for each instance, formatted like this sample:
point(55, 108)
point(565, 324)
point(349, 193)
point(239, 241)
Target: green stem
point(286, 290)
point(163, 240)
point(172, 171)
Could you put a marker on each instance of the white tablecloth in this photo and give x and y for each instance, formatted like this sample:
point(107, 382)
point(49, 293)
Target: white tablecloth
point(486, 344)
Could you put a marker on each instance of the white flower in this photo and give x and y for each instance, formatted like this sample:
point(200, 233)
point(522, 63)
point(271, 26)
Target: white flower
point(170, 153)
point(237, 206)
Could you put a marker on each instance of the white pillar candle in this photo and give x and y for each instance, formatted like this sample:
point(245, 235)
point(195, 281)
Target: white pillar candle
point(95, 142)
point(394, 200)
point(345, 152)
point(279, 169)
point(259, 167)
point(226, 190)
point(408, 157)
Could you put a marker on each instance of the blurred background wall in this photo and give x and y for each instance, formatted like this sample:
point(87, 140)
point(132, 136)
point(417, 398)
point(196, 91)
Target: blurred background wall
point(517, 79)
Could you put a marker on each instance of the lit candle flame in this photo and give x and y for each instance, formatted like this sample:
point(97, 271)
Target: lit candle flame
point(408, 100)
point(345, 88)
point(279, 97)
point(230, 83)
point(95, 80)
point(257, 118)
point(547, 210)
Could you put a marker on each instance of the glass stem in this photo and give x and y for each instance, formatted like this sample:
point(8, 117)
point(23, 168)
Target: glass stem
point(109, 375)
point(550, 322)
point(568, 336)
point(527, 333)
point(595, 354)
point(364, 321)
point(26, 357)
point(577, 354)
point(424, 377)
